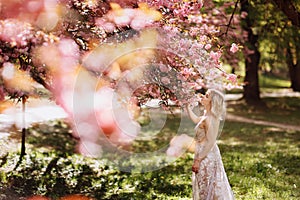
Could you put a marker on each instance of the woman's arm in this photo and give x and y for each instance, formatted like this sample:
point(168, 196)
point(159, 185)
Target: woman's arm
point(212, 127)
point(192, 115)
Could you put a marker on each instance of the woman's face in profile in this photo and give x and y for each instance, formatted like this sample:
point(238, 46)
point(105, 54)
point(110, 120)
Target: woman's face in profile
point(205, 99)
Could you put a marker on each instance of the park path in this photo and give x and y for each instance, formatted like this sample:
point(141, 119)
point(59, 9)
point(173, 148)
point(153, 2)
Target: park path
point(231, 117)
point(285, 92)
point(42, 110)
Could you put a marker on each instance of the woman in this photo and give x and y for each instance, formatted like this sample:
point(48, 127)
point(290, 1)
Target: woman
point(209, 178)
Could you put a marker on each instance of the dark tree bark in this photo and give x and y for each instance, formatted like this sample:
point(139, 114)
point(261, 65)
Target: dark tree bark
point(294, 71)
point(287, 7)
point(251, 88)
point(23, 148)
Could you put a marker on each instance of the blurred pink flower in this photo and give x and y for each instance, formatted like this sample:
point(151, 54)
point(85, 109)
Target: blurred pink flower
point(244, 14)
point(89, 149)
point(154, 91)
point(234, 48)
point(207, 46)
point(165, 80)
point(179, 144)
point(122, 20)
point(15, 32)
point(232, 78)
point(139, 23)
point(163, 68)
point(215, 55)
point(68, 47)
point(249, 51)
point(187, 71)
point(203, 38)
point(174, 151)
point(194, 31)
point(107, 26)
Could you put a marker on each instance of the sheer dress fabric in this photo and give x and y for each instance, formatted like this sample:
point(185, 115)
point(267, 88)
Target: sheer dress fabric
point(211, 182)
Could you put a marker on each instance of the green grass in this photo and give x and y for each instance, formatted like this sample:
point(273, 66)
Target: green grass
point(261, 162)
point(283, 110)
point(272, 81)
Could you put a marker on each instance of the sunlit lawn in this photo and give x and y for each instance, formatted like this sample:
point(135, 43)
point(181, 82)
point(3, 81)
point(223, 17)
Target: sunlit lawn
point(285, 110)
point(271, 82)
point(261, 162)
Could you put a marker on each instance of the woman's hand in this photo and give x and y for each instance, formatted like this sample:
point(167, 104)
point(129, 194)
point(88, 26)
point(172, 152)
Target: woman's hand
point(188, 106)
point(195, 167)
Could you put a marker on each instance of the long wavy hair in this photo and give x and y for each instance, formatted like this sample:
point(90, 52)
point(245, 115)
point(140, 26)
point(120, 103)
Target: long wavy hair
point(218, 106)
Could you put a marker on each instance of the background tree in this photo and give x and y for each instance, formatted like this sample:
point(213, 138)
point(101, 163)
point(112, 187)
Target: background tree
point(252, 55)
point(291, 11)
point(76, 49)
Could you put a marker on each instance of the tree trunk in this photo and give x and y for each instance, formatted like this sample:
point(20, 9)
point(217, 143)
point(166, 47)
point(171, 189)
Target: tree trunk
point(295, 81)
point(294, 71)
point(287, 7)
point(23, 148)
point(251, 88)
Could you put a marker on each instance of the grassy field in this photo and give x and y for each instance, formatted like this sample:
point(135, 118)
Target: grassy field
point(261, 163)
point(283, 110)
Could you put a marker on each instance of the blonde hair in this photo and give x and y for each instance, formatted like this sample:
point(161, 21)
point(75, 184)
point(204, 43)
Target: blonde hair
point(218, 107)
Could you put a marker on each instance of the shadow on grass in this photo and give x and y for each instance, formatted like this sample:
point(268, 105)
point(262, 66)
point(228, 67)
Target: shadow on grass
point(53, 135)
point(247, 134)
point(261, 160)
point(258, 160)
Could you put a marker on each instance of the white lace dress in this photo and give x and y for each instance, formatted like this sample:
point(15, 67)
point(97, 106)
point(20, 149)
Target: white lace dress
point(210, 183)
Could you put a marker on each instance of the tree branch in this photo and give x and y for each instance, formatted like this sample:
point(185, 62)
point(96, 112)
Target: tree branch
point(231, 18)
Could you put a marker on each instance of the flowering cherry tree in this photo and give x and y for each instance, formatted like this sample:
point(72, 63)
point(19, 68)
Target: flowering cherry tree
point(103, 60)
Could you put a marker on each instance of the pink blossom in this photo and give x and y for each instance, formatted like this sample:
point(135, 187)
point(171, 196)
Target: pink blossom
point(139, 23)
point(89, 149)
point(249, 51)
point(203, 38)
point(34, 6)
point(15, 32)
point(194, 31)
point(207, 46)
point(68, 47)
point(107, 26)
point(182, 78)
point(163, 68)
point(215, 55)
point(244, 14)
point(122, 20)
point(196, 19)
point(8, 71)
point(187, 71)
point(174, 151)
point(232, 78)
point(154, 91)
point(165, 80)
point(234, 48)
